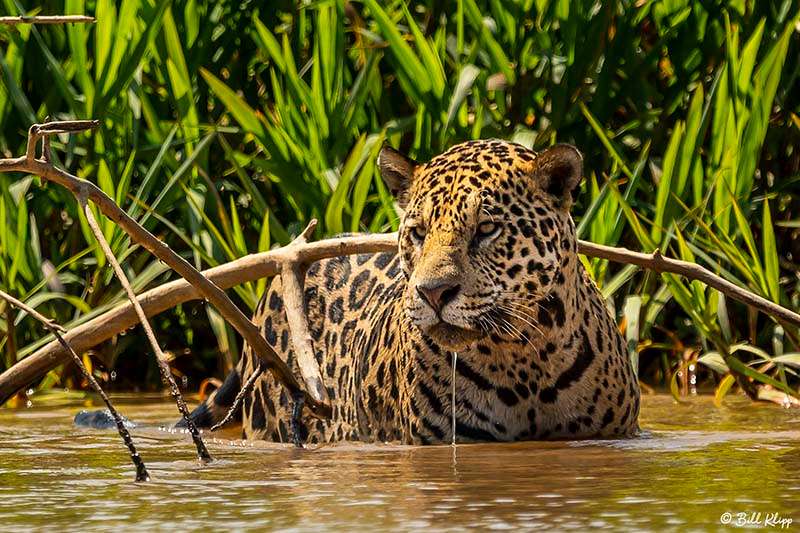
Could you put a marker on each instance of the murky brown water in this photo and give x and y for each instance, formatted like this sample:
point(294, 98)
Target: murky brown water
point(695, 463)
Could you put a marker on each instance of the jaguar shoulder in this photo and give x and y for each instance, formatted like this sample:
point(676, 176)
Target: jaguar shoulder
point(487, 276)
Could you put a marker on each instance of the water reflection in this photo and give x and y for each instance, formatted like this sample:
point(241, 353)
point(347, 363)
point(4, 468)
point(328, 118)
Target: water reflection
point(695, 463)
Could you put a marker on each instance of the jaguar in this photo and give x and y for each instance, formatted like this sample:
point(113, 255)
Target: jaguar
point(485, 326)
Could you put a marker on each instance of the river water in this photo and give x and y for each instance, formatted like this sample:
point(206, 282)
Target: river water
point(694, 463)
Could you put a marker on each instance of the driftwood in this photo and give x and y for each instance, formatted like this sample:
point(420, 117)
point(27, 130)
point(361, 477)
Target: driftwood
point(266, 264)
point(289, 261)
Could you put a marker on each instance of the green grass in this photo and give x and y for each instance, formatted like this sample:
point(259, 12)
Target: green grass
point(227, 126)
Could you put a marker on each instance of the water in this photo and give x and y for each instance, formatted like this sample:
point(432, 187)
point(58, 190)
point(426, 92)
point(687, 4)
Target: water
point(695, 463)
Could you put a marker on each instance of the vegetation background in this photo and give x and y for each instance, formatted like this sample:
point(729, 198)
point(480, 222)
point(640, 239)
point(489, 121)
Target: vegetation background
point(226, 126)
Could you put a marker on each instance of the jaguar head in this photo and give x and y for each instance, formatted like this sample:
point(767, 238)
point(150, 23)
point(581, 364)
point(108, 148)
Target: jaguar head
point(484, 235)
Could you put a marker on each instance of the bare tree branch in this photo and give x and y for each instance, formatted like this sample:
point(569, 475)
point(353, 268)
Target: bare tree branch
point(658, 263)
point(46, 19)
point(168, 295)
point(266, 264)
point(56, 329)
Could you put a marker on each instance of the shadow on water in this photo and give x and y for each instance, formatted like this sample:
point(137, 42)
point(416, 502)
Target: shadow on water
point(693, 463)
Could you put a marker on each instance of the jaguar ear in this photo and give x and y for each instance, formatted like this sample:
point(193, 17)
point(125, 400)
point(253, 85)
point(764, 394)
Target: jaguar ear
point(397, 171)
point(558, 171)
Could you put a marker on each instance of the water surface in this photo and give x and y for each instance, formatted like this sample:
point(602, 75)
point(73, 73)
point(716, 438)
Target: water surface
point(694, 463)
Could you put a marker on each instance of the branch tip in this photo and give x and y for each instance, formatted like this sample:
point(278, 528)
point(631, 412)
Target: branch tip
point(306, 234)
point(67, 126)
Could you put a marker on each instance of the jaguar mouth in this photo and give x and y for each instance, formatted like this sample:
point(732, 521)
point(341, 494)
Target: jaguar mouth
point(452, 337)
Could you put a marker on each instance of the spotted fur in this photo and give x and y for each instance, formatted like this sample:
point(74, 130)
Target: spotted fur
point(488, 269)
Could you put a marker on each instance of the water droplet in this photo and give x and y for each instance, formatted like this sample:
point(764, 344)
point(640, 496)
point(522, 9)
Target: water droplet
point(113, 375)
point(29, 392)
point(123, 332)
point(185, 381)
point(29, 404)
point(66, 389)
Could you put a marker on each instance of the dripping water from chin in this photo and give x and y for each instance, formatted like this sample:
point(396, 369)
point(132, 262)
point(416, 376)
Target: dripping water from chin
point(453, 404)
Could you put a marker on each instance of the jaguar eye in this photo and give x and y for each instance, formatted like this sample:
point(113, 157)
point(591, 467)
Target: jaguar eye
point(417, 233)
point(487, 230)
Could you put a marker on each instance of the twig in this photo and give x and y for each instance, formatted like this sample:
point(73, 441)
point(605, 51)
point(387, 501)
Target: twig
point(39, 131)
point(237, 402)
point(56, 329)
point(47, 19)
point(163, 365)
point(658, 263)
point(138, 234)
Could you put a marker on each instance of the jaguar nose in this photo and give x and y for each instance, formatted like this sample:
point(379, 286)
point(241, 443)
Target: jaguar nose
point(438, 295)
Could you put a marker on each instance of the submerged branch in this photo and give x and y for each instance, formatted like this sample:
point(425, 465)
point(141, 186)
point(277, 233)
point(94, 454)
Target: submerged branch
point(163, 365)
point(56, 329)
